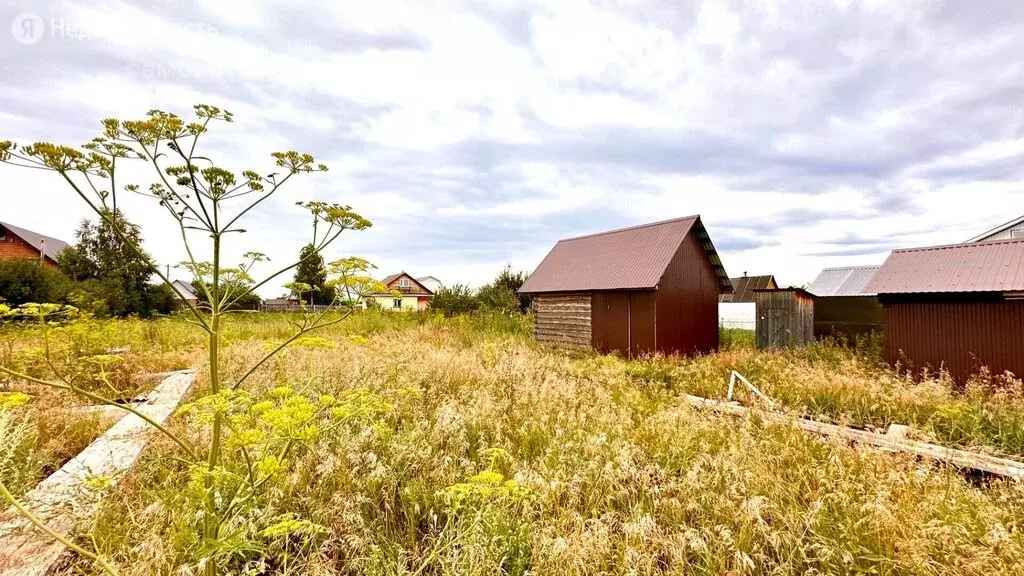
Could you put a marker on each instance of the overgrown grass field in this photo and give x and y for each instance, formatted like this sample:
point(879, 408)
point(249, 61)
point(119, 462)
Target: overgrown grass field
point(461, 447)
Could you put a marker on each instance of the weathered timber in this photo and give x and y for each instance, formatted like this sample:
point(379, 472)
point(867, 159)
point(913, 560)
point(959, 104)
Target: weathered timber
point(784, 317)
point(894, 441)
point(63, 497)
point(562, 319)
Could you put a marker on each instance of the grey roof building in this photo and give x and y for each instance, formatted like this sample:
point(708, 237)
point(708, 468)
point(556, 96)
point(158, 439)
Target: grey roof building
point(845, 281)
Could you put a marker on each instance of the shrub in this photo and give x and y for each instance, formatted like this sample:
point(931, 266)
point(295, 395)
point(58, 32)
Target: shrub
point(24, 281)
point(513, 281)
point(736, 338)
point(157, 299)
point(497, 298)
point(458, 299)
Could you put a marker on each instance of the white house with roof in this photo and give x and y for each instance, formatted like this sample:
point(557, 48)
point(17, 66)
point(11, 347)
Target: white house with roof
point(402, 292)
point(430, 283)
point(185, 293)
point(1007, 231)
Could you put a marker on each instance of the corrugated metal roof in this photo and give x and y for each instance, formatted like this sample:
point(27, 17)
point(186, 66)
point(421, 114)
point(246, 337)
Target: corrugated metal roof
point(996, 266)
point(744, 287)
point(628, 259)
point(846, 281)
point(52, 246)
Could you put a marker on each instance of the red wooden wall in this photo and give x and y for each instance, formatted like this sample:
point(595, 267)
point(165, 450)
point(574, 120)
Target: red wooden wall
point(958, 336)
point(623, 322)
point(687, 301)
point(681, 317)
point(14, 248)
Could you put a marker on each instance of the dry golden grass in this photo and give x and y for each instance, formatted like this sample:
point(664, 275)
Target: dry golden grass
point(485, 454)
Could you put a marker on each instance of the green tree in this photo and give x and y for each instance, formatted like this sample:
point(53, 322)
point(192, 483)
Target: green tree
point(312, 272)
point(497, 298)
point(107, 268)
point(454, 300)
point(513, 281)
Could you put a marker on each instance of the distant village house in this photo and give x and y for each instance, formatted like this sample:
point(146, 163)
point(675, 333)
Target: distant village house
point(404, 293)
point(430, 283)
point(20, 244)
point(185, 293)
point(1009, 231)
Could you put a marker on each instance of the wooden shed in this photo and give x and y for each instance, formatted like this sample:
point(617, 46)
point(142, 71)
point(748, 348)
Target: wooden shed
point(785, 317)
point(636, 290)
point(956, 308)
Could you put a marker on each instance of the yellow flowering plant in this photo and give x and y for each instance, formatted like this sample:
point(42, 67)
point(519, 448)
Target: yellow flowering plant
point(210, 202)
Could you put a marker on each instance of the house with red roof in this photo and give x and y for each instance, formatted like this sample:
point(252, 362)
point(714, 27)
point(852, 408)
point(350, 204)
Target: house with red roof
point(404, 293)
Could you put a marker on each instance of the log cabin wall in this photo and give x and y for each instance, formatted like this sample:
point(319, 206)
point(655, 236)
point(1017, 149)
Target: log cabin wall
point(563, 319)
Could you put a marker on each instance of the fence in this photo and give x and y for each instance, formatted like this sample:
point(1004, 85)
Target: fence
point(737, 315)
point(296, 307)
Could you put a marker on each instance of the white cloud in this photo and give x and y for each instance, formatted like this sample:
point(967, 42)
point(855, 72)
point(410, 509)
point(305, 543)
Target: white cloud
point(475, 134)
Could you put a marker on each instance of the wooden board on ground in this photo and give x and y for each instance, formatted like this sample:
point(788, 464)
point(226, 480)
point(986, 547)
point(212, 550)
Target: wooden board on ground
point(64, 496)
point(894, 441)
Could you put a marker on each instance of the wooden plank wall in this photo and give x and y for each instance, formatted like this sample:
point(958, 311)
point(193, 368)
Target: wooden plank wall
point(562, 319)
point(784, 318)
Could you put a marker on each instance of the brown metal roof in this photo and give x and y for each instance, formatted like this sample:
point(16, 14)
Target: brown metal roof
point(744, 287)
point(628, 259)
point(996, 266)
point(392, 277)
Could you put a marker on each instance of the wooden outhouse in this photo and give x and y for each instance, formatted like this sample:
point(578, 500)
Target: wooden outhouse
point(785, 317)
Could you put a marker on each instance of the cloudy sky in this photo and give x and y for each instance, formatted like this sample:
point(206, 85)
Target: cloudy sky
point(475, 134)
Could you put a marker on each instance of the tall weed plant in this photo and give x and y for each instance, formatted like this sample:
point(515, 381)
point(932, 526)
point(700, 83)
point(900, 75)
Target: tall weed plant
point(249, 438)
